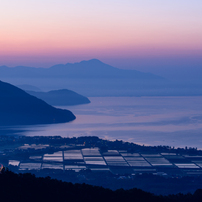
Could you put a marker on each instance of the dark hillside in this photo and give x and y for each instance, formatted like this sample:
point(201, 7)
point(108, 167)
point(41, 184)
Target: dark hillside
point(26, 187)
point(19, 108)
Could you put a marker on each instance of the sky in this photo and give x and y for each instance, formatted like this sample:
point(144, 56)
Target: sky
point(132, 34)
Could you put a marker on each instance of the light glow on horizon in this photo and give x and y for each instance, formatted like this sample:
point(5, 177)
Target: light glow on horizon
point(98, 29)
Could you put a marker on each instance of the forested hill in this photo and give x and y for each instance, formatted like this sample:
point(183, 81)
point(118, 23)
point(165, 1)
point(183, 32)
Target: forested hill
point(26, 187)
point(19, 108)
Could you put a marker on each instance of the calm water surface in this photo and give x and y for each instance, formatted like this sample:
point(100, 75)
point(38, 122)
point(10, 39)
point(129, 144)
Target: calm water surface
point(173, 121)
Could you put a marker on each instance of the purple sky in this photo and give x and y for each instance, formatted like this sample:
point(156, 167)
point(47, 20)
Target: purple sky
point(144, 35)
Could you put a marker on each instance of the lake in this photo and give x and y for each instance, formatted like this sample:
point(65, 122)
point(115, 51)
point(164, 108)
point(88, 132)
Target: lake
point(173, 121)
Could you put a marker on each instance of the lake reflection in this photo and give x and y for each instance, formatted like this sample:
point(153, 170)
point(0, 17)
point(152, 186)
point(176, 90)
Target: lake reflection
point(173, 121)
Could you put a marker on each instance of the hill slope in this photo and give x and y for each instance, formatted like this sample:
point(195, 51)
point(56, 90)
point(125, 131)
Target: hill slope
point(26, 87)
point(61, 97)
point(26, 187)
point(19, 108)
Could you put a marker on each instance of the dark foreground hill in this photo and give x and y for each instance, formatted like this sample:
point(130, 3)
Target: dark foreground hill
point(61, 97)
point(26, 187)
point(19, 108)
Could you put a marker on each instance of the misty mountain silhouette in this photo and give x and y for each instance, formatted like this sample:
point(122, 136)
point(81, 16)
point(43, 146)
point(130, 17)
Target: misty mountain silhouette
point(27, 87)
point(95, 78)
point(61, 97)
point(19, 108)
point(85, 69)
point(97, 69)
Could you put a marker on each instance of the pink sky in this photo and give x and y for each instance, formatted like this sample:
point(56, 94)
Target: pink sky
point(36, 33)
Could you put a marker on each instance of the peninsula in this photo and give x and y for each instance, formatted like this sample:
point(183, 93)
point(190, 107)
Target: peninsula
point(19, 108)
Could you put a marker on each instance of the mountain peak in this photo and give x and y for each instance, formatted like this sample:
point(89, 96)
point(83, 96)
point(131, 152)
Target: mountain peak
point(91, 62)
point(95, 60)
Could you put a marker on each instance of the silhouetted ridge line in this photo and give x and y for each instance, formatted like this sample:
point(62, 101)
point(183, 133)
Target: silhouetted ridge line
point(26, 187)
point(85, 69)
point(61, 97)
point(19, 108)
point(27, 87)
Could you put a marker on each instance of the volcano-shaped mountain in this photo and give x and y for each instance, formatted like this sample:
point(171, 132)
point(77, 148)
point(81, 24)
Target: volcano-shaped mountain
point(85, 69)
point(19, 108)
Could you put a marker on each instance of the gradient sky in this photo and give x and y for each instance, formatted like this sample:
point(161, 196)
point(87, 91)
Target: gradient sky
point(123, 33)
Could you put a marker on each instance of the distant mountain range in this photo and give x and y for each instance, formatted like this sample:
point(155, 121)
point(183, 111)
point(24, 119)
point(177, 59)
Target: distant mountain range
point(94, 78)
point(61, 97)
point(19, 108)
point(85, 69)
